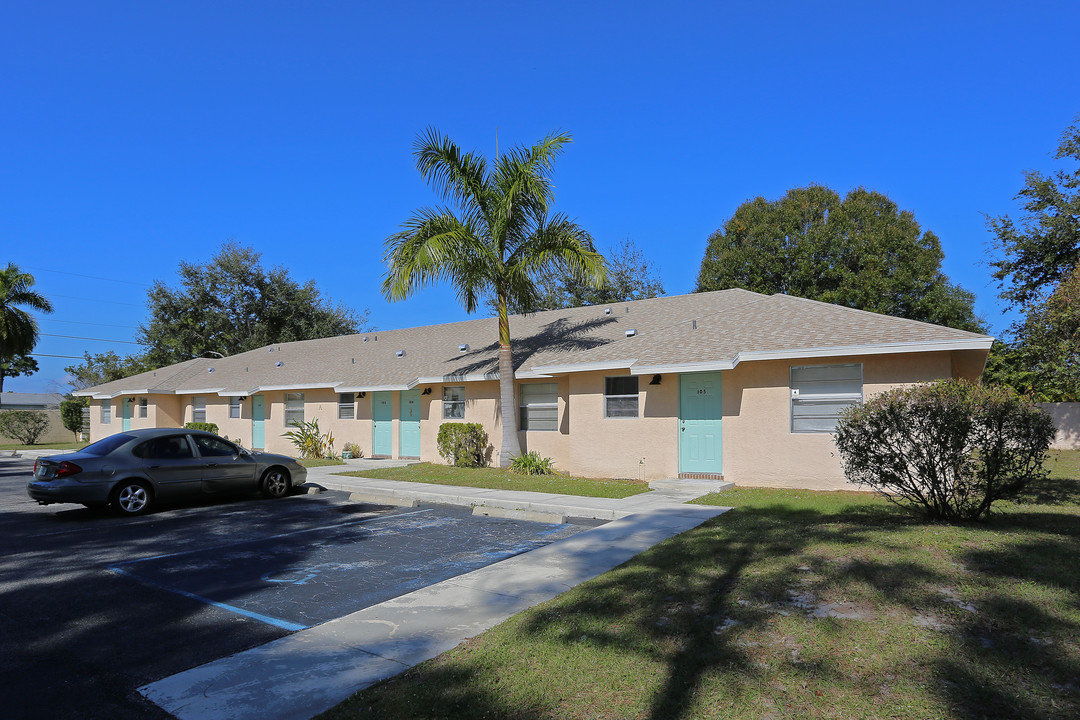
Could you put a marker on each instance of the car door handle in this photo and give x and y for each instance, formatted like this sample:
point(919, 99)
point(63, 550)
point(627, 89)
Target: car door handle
point(154, 467)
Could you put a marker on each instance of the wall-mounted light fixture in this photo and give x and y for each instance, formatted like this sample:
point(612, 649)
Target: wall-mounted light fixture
point(361, 394)
point(427, 391)
point(655, 380)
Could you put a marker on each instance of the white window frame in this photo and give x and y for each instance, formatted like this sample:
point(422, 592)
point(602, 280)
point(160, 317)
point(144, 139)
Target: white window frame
point(235, 407)
point(610, 412)
point(833, 393)
point(346, 409)
point(142, 407)
point(294, 408)
point(448, 404)
point(198, 409)
point(106, 412)
point(534, 399)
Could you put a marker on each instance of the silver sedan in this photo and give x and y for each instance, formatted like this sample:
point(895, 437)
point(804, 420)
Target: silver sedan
point(132, 471)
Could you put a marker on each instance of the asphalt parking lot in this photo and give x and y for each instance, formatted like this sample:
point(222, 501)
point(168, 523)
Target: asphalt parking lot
point(93, 606)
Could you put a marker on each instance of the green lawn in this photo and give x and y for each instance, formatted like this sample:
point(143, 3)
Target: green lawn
point(496, 479)
point(320, 462)
point(795, 604)
point(47, 446)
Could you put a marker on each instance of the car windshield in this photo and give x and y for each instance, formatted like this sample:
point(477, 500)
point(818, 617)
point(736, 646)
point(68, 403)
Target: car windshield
point(107, 445)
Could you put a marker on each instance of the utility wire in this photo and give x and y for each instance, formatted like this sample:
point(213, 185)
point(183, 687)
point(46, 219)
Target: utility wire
point(76, 337)
point(85, 299)
point(91, 277)
point(73, 357)
point(83, 322)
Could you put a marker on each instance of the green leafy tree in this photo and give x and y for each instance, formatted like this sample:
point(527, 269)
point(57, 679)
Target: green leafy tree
point(1042, 358)
point(26, 426)
point(630, 276)
point(500, 240)
point(105, 367)
point(71, 413)
point(861, 251)
point(18, 328)
point(1039, 250)
point(14, 367)
point(232, 304)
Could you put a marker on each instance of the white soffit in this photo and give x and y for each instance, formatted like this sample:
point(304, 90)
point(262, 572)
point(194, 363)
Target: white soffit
point(583, 367)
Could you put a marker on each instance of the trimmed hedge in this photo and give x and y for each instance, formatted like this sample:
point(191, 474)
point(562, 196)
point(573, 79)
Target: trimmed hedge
point(463, 444)
point(208, 427)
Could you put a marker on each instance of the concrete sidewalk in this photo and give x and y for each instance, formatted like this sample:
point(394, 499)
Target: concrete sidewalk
point(307, 672)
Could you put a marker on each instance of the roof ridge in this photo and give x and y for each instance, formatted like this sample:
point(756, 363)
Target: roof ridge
point(845, 308)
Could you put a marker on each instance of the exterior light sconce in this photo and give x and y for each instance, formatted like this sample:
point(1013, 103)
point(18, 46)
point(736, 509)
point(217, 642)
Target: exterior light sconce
point(427, 391)
point(655, 380)
point(361, 394)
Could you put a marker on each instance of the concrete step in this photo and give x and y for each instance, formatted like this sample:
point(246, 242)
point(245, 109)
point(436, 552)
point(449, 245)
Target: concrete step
point(696, 487)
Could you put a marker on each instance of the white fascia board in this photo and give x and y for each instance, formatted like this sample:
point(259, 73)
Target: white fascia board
point(234, 393)
point(530, 375)
point(293, 386)
point(705, 366)
point(370, 388)
point(200, 391)
point(584, 367)
point(118, 393)
point(439, 379)
point(982, 343)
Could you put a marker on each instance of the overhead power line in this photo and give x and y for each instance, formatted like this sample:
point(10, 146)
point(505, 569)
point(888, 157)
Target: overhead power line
point(76, 337)
point(40, 318)
point(86, 299)
point(91, 277)
point(73, 357)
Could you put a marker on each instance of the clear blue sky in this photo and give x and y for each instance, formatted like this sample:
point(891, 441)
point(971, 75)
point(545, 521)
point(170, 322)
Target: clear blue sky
point(135, 135)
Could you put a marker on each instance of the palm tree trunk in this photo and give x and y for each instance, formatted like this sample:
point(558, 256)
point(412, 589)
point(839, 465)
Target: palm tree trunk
point(510, 447)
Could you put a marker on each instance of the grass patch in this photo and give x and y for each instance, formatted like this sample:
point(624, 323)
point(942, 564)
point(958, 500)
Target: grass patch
point(496, 479)
point(320, 462)
point(794, 604)
point(71, 446)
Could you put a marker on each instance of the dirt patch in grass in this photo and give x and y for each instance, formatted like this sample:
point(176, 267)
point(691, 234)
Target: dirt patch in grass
point(794, 604)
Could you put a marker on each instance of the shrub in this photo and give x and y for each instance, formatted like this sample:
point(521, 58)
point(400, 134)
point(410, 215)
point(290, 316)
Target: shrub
point(208, 427)
point(309, 440)
point(531, 463)
point(950, 448)
point(71, 413)
point(463, 444)
point(26, 426)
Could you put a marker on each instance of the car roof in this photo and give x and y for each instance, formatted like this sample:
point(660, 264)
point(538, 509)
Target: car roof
point(143, 433)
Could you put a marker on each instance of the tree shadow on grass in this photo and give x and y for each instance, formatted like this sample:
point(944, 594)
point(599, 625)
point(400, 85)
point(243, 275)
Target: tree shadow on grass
point(656, 637)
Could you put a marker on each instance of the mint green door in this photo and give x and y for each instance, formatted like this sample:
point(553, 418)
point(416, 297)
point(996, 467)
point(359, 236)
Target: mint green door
point(125, 413)
point(700, 418)
point(410, 423)
point(382, 421)
point(258, 422)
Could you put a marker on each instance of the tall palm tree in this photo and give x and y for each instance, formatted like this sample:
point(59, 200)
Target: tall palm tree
point(18, 328)
point(497, 243)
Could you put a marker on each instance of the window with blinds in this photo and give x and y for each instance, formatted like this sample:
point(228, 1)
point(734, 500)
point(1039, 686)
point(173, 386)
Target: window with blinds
point(539, 406)
point(819, 393)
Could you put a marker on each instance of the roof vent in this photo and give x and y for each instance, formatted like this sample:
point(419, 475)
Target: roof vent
point(631, 332)
point(463, 347)
point(607, 311)
point(401, 353)
point(210, 370)
point(365, 338)
point(279, 364)
point(269, 349)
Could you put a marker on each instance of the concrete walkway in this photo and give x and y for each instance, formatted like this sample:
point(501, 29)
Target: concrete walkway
point(307, 672)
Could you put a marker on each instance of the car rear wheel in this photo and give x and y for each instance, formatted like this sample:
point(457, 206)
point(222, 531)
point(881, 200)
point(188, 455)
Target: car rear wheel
point(131, 497)
point(275, 483)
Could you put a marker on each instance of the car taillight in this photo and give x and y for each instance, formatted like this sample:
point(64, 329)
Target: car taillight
point(67, 468)
point(35, 468)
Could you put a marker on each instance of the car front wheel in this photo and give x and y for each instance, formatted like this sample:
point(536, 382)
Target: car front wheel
point(131, 497)
point(275, 483)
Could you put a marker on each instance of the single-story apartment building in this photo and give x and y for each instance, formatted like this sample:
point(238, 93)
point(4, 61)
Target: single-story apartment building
point(731, 384)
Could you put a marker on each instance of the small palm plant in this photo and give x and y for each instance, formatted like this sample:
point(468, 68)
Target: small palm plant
point(531, 463)
point(309, 439)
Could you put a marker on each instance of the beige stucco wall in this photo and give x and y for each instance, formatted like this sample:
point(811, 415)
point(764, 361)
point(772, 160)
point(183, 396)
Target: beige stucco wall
point(759, 447)
point(56, 432)
point(1066, 417)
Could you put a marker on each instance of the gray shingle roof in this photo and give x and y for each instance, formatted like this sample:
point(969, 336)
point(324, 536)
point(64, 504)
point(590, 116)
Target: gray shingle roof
point(718, 328)
point(10, 400)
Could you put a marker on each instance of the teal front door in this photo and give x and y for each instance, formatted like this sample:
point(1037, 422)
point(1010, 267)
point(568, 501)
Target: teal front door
point(382, 421)
point(258, 422)
point(125, 413)
point(410, 423)
point(700, 418)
